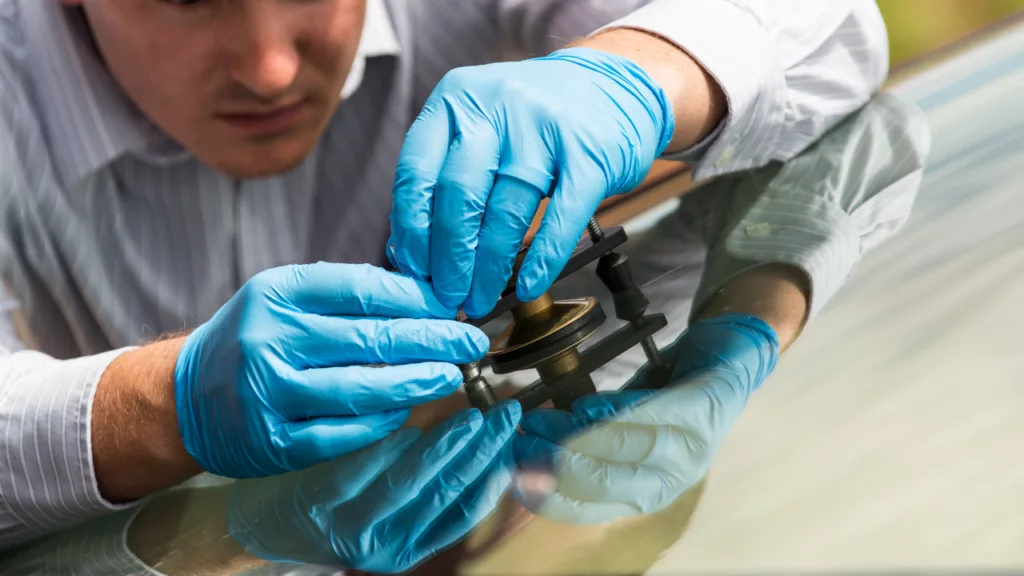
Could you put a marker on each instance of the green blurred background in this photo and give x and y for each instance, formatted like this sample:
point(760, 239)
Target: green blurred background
point(918, 26)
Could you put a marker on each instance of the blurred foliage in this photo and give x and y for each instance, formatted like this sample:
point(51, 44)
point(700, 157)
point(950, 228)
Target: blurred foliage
point(917, 26)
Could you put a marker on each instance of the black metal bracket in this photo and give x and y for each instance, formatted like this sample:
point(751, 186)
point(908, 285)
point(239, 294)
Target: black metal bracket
point(586, 252)
point(594, 357)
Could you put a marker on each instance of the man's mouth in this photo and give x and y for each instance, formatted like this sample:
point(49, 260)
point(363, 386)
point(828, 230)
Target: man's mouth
point(264, 121)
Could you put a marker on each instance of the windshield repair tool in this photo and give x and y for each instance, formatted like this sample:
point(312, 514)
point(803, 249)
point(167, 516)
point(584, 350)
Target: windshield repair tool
point(546, 334)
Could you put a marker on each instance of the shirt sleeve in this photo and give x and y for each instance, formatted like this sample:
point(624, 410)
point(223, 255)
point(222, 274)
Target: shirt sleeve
point(822, 210)
point(531, 28)
point(98, 548)
point(789, 69)
point(47, 480)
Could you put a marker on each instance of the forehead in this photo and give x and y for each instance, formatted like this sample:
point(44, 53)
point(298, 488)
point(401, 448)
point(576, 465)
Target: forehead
point(194, 16)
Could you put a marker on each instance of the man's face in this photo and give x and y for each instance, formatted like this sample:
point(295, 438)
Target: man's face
point(247, 86)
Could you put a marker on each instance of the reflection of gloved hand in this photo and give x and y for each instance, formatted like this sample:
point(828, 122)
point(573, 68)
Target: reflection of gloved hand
point(578, 125)
point(635, 451)
point(387, 507)
point(278, 379)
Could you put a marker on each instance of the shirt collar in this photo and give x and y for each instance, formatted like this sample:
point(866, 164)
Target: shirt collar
point(89, 120)
point(378, 39)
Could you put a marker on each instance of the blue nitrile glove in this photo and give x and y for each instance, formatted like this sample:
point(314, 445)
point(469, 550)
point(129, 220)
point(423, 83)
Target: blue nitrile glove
point(577, 126)
point(388, 507)
point(280, 378)
point(632, 452)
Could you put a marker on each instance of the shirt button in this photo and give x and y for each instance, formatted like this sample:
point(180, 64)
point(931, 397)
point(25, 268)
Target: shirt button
point(727, 155)
point(759, 230)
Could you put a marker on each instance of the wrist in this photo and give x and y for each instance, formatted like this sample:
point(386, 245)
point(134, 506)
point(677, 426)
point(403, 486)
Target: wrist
point(137, 448)
point(778, 294)
point(698, 102)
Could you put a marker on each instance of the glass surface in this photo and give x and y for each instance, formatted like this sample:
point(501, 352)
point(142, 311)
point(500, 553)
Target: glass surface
point(888, 438)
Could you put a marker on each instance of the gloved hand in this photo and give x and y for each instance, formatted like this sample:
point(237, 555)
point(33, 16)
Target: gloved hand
point(632, 452)
point(577, 126)
point(278, 379)
point(388, 507)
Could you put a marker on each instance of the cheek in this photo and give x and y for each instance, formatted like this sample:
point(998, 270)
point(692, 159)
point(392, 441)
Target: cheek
point(165, 71)
point(333, 39)
point(176, 92)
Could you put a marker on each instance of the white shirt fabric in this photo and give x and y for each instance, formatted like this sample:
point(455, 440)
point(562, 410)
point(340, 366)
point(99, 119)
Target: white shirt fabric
point(111, 234)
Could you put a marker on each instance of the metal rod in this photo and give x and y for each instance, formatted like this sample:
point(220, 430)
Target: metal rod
point(478, 389)
point(651, 350)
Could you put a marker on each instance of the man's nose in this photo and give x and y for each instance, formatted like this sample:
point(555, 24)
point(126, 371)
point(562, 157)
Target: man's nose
point(268, 61)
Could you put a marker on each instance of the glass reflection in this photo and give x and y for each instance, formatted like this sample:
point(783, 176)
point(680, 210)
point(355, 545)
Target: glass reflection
point(612, 484)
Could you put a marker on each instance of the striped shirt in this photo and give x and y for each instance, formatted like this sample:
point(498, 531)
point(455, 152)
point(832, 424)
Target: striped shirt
point(111, 234)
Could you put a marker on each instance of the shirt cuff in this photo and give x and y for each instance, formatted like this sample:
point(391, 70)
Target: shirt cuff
point(694, 154)
point(789, 226)
point(733, 47)
point(50, 482)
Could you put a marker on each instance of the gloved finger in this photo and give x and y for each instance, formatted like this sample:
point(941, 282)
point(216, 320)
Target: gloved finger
point(604, 406)
point(355, 390)
point(675, 430)
point(490, 445)
point(560, 508)
point(737, 342)
point(419, 165)
point(389, 251)
point(553, 425)
point(354, 290)
point(646, 488)
point(594, 409)
point(700, 405)
point(303, 444)
point(507, 219)
point(332, 483)
point(535, 454)
point(589, 479)
point(460, 196)
point(419, 466)
point(573, 203)
point(609, 441)
point(339, 341)
point(472, 507)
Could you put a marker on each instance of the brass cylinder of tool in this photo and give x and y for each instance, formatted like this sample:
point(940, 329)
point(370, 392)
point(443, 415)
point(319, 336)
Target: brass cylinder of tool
point(560, 365)
point(563, 365)
point(526, 309)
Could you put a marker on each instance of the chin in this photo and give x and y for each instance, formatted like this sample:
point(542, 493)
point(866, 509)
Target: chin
point(251, 168)
point(261, 161)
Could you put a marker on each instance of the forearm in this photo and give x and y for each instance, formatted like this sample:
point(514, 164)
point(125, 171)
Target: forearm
point(48, 481)
point(789, 71)
point(776, 293)
point(698, 103)
point(137, 449)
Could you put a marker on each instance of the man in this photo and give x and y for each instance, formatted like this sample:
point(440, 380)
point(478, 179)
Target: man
point(166, 161)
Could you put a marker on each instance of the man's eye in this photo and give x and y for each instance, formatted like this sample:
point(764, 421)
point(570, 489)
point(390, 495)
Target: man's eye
point(186, 2)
